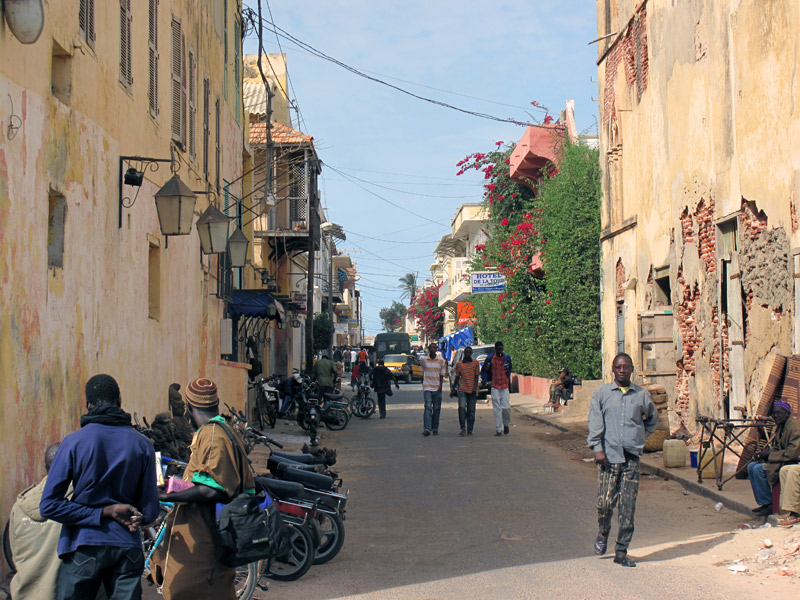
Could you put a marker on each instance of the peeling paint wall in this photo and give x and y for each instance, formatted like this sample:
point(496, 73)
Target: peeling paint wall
point(700, 115)
point(61, 324)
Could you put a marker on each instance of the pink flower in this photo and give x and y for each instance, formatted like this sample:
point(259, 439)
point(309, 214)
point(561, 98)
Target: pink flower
point(548, 119)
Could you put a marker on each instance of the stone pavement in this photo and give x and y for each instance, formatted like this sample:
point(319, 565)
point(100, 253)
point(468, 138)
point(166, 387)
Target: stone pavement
point(735, 495)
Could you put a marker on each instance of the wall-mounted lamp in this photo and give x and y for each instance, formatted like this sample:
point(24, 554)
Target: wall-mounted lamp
point(237, 248)
point(175, 206)
point(212, 227)
point(272, 311)
point(295, 322)
point(134, 177)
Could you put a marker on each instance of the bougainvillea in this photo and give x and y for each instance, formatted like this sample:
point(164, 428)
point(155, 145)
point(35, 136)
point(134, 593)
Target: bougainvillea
point(425, 309)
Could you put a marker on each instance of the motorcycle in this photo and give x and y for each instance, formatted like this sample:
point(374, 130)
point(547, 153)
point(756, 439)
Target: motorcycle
point(267, 402)
point(361, 405)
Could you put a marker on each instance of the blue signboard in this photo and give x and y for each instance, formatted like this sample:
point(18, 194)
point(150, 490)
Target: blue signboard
point(485, 282)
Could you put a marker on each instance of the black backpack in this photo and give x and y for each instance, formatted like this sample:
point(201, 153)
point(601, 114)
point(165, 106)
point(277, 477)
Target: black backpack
point(249, 527)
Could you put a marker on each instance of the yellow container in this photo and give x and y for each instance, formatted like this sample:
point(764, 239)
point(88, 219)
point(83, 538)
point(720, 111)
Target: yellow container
point(709, 467)
point(675, 454)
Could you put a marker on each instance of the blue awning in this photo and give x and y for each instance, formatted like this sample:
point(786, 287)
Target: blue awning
point(254, 303)
point(461, 338)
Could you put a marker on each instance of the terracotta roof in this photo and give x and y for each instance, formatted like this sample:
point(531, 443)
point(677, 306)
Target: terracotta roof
point(281, 134)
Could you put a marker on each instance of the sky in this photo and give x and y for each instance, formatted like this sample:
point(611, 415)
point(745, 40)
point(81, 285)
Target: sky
point(389, 160)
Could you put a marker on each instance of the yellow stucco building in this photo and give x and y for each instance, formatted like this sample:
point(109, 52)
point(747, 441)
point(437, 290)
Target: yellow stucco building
point(698, 126)
point(88, 283)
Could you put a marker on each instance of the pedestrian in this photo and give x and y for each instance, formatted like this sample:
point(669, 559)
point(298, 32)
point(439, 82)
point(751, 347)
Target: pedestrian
point(218, 473)
point(362, 357)
point(496, 371)
point(346, 358)
point(112, 470)
point(763, 472)
point(621, 416)
point(353, 357)
point(433, 371)
point(465, 385)
point(354, 375)
point(34, 543)
point(337, 355)
point(382, 379)
point(325, 373)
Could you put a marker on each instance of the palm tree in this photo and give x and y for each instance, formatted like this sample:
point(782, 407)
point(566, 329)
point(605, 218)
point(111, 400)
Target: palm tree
point(408, 283)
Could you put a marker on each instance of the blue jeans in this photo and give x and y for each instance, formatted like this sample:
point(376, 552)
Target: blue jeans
point(118, 570)
point(758, 481)
point(433, 407)
point(466, 410)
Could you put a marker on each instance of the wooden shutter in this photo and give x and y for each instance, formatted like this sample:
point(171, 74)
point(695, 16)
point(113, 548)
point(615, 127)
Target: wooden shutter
point(206, 125)
point(152, 46)
point(125, 71)
point(217, 159)
point(184, 93)
point(237, 52)
point(177, 62)
point(192, 101)
point(86, 21)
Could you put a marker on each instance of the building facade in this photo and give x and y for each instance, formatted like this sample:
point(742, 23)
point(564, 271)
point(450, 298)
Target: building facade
point(88, 282)
point(701, 186)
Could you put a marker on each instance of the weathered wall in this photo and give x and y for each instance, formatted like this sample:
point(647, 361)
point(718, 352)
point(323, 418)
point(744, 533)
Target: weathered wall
point(61, 324)
point(699, 117)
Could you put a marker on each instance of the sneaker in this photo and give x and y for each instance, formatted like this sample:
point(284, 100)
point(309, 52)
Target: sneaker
point(622, 559)
point(463, 432)
point(498, 434)
point(426, 433)
point(435, 433)
point(505, 429)
point(469, 433)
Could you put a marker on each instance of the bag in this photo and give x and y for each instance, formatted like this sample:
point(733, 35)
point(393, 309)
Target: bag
point(248, 528)
point(389, 391)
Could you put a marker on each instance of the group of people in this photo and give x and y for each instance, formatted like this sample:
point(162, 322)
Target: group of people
point(496, 371)
point(76, 533)
point(350, 357)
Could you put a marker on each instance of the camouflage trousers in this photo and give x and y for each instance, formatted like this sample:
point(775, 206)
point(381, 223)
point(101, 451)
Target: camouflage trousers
point(618, 484)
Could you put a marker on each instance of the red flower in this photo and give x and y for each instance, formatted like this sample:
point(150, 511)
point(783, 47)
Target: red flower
point(548, 301)
point(548, 119)
point(504, 222)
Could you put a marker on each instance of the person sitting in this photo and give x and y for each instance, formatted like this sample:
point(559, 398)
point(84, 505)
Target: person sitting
point(763, 472)
point(790, 495)
point(561, 389)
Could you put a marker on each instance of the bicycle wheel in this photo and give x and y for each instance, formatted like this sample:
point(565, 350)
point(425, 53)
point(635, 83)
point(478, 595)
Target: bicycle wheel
point(272, 415)
point(261, 407)
point(367, 408)
point(336, 419)
point(331, 529)
point(246, 579)
point(7, 549)
point(298, 558)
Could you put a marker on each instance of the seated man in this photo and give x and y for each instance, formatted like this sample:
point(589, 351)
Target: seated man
point(561, 390)
point(763, 471)
point(790, 494)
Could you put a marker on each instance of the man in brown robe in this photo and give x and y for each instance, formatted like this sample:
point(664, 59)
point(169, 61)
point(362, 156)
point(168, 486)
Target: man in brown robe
point(218, 472)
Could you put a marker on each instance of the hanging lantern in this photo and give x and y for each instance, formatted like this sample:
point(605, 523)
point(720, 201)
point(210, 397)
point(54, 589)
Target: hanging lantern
point(175, 205)
point(237, 248)
point(212, 227)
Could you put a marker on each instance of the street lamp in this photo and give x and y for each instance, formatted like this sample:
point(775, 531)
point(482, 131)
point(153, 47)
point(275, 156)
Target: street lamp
point(175, 205)
point(212, 227)
point(237, 248)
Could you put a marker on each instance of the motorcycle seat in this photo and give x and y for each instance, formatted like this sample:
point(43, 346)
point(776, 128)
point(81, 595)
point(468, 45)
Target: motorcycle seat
point(279, 488)
point(312, 480)
point(306, 459)
point(334, 397)
point(276, 463)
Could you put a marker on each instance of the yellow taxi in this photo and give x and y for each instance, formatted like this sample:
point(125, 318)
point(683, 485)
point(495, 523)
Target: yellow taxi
point(404, 366)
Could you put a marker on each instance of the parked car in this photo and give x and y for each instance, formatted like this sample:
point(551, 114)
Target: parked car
point(404, 366)
point(479, 353)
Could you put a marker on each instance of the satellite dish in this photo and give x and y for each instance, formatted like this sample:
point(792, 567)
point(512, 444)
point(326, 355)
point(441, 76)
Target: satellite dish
point(25, 19)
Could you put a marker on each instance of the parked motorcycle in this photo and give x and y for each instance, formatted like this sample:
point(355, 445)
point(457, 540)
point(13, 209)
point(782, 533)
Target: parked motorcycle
point(362, 405)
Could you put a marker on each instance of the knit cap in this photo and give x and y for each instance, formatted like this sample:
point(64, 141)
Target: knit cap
point(202, 393)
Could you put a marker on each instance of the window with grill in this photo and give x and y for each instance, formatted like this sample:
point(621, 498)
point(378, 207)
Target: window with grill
point(206, 125)
point(152, 61)
point(298, 193)
point(125, 19)
point(178, 84)
point(192, 103)
point(86, 21)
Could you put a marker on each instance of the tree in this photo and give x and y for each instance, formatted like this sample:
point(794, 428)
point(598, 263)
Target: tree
point(408, 284)
point(430, 318)
point(323, 331)
point(392, 317)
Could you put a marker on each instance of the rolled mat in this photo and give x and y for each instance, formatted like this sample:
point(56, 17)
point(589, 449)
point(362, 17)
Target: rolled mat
point(772, 389)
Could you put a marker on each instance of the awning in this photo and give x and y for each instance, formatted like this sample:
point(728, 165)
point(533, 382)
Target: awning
point(254, 303)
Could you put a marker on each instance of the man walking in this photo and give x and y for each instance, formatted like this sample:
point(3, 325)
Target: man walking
point(219, 472)
point(382, 379)
point(112, 469)
point(325, 373)
point(621, 415)
point(433, 371)
point(466, 386)
point(496, 371)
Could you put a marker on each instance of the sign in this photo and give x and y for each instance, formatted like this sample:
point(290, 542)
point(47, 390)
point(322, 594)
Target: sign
point(486, 282)
point(414, 338)
point(340, 328)
point(465, 313)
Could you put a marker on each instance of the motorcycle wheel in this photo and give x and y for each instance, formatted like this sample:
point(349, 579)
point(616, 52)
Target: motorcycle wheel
point(246, 579)
point(272, 414)
point(337, 419)
point(367, 408)
point(261, 408)
point(331, 528)
point(298, 559)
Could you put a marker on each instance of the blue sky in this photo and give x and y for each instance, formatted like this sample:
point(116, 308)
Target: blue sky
point(491, 58)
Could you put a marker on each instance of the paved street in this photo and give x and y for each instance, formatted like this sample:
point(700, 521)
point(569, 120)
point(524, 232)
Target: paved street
point(487, 517)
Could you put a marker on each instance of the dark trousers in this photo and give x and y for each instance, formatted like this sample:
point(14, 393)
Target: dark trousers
point(382, 403)
point(118, 570)
point(618, 484)
point(559, 393)
point(466, 410)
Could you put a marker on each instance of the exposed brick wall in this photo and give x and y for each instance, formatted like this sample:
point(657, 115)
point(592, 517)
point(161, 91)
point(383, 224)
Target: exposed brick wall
point(621, 279)
point(793, 215)
point(630, 51)
point(691, 340)
point(706, 235)
point(752, 223)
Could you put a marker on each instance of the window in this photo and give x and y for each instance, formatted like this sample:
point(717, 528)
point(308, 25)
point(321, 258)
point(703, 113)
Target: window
point(56, 219)
point(224, 277)
point(192, 101)
point(86, 22)
point(225, 50)
point(61, 74)
point(217, 159)
point(237, 75)
point(152, 63)
point(154, 281)
point(661, 287)
point(125, 19)
point(206, 126)
point(178, 85)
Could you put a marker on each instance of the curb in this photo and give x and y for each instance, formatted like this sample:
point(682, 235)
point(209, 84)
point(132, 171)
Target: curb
point(688, 484)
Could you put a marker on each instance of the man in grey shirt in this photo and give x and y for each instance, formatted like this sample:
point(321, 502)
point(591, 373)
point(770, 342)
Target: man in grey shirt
point(621, 415)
